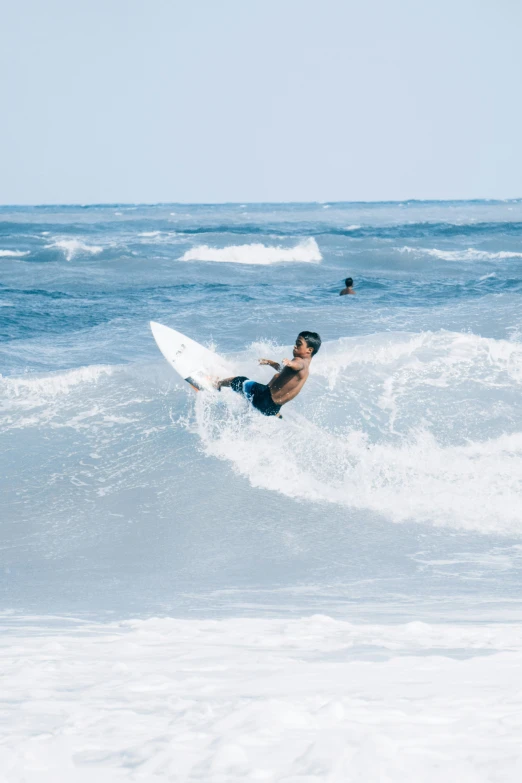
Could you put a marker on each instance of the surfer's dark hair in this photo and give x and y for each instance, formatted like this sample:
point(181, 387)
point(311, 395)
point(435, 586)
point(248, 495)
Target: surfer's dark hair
point(312, 340)
point(348, 282)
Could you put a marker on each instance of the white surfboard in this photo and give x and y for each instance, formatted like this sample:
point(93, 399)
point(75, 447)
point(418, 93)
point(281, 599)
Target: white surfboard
point(196, 364)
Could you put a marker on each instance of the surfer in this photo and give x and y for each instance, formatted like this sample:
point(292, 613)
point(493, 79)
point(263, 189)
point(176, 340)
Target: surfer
point(348, 290)
point(290, 377)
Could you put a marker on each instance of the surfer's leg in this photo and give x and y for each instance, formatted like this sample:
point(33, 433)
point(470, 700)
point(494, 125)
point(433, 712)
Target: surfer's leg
point(262, 400)
point(256, 393)
point(235, 383)
point(248, 389)
point(225, 382)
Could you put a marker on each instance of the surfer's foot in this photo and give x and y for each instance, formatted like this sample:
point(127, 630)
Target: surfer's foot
point(218, 384)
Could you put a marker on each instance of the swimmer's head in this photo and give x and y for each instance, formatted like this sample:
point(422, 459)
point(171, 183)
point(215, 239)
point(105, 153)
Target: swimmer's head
point(348, 282)
point(311, 339)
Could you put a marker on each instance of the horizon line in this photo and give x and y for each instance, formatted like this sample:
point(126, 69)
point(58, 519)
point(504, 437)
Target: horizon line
point(87, 205)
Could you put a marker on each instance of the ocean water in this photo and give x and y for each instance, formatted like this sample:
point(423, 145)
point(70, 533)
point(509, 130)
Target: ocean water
point(332, 597)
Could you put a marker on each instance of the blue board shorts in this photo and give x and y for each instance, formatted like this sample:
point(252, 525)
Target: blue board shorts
point(258, 394)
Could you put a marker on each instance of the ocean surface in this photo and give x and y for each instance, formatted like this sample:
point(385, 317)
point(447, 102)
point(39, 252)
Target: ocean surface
point(191, 591)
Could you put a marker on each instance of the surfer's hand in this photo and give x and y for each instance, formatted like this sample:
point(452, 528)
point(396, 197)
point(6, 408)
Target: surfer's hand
point(275, 365)
point(286, 362)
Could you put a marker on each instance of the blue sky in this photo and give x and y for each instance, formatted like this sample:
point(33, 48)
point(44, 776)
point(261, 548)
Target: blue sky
point(259, 100)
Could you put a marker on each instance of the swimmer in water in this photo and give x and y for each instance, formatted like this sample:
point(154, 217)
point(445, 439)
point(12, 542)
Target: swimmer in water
point(348, 290)
point(291, 376)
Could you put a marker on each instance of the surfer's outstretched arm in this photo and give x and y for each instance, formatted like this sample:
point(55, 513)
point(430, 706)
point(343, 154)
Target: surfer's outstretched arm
point(276, 366)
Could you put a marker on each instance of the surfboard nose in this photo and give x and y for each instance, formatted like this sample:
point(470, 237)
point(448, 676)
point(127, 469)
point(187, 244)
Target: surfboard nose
point(156, 328)
point(160, 332)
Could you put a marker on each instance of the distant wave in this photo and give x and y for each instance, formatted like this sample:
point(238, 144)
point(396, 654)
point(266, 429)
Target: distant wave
point(298, 229)
point(390, 231)
point(257, 253)
point(460, 255)
point(157, 237)
point(14, 253)
point(74, 247)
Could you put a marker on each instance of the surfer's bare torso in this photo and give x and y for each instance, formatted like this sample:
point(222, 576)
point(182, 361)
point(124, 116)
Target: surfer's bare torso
point(292, 375)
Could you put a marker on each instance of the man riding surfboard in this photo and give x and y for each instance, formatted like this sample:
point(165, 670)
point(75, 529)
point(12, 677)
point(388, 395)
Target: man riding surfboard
point(285, 385)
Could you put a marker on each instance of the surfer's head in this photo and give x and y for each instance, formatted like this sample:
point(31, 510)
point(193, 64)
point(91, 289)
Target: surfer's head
point(348, 282)
point(307, 344)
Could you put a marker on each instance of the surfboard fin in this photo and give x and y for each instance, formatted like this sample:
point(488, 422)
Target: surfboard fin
point(195, 385)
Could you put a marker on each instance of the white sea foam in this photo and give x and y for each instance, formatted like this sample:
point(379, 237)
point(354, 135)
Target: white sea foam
point(158, 237)
point(14, 253)
point(260, 699)
point(35, 400)
point(52, 384)
point(412, 427)
point(441, 351)
point(460, 255)
point(74, 247)
point(306, 251)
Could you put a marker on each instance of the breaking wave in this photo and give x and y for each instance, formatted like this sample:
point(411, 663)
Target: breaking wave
point(14, 253)
point(403, 426)
point(51, 385)
point(38, 399)
point(306, 251)
point(74, 247)
point(470, 254)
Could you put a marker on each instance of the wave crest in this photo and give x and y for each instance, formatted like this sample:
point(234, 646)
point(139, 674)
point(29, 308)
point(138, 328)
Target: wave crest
point(306, 251)
point(74, 247)
point(14, 253)
point(471, 254)
point(36, 400)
